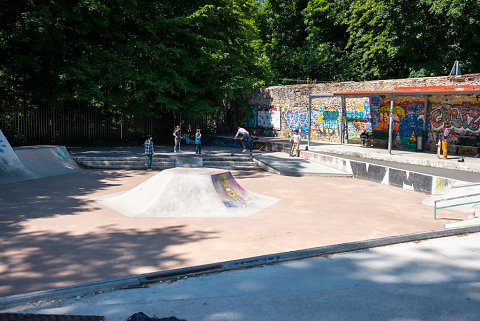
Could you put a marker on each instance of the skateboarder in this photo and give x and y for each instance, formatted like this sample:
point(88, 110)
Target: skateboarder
point(149, 152)
point(245, 138)
point(296, 144)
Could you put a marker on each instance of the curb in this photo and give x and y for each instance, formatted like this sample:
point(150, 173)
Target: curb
point(142, 280)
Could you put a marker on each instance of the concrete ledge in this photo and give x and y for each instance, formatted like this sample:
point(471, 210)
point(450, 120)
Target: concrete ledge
point(143, 280)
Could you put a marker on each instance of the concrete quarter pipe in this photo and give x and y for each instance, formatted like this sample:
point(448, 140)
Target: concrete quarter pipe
point(29, 162)
point(11, 167)
point(188, 192)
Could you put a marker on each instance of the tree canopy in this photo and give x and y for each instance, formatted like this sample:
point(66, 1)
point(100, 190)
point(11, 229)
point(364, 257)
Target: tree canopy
point(152, 57)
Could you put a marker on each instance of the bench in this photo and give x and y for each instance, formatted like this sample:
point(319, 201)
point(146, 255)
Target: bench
point(465, 145)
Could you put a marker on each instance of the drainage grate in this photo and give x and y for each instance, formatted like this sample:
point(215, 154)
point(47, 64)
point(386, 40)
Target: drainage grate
point(47, 317)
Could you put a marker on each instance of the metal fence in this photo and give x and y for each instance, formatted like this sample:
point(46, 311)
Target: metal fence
point(34, 126)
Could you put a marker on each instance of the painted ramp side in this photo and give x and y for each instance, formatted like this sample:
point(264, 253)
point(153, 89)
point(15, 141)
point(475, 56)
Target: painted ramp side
point(12, 168)
point(47, 160)
point(188, 192)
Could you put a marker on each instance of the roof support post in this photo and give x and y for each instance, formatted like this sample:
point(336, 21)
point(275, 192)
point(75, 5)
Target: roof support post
point(341, 131)
point(309, 120)
point(424, 140)
point(390, 126)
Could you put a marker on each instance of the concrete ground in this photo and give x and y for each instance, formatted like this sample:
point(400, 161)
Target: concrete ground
point(52, 233)
point(434, 280)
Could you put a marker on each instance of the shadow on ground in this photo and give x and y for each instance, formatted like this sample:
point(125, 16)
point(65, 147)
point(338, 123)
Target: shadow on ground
point(59, 257)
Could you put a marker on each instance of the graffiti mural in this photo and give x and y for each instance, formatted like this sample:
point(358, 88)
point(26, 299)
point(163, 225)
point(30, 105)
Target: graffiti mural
point(325, 121)
point(295, 119)
point(359, 119)
point(268, 117)
point(464, 119)
point(374, 116)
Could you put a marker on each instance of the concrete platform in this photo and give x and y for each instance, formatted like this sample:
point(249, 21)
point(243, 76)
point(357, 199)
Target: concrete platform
point(430, 281)
point(283, 164)
point(55, 234)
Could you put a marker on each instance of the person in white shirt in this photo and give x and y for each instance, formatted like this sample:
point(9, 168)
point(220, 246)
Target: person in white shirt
point(245, 137)
point(296, 144)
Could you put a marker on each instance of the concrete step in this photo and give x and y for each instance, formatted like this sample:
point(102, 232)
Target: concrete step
point(123, 159)
point(236, 167)
point(228, 158)
point(231, 163)
point(123, 162)
point(142, 166)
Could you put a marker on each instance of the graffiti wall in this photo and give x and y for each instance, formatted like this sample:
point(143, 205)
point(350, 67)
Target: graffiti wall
point(464, 119)
point(325, 122)
point(267, 117)
point(374, 118)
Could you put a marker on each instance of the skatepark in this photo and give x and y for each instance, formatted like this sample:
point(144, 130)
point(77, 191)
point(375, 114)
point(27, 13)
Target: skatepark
point(70, 230)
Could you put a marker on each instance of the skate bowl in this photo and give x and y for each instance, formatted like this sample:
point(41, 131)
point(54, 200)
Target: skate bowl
point(188, 192)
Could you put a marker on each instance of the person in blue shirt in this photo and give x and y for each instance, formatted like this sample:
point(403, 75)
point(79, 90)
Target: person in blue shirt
point(198, 142)
point(149, 151)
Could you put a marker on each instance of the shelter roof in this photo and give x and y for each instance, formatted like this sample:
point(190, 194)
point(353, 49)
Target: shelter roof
point(417, 91)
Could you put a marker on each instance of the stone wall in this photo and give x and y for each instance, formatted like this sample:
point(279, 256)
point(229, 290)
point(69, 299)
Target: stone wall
point(278, 110)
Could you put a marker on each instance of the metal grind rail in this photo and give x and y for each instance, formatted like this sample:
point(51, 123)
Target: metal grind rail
point(454, 205)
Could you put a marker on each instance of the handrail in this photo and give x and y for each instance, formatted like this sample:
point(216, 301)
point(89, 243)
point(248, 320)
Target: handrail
point(452, 198)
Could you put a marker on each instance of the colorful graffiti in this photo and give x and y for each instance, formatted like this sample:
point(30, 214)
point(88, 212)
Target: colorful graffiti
point(464, 119)
point(230, 192)
point(296, 120)
point(374, 116)
point(325, 121)
point(262, 117)
point(359, 119)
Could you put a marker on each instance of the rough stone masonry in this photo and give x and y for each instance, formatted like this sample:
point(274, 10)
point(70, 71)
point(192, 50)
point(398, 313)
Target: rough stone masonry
point(278, 110)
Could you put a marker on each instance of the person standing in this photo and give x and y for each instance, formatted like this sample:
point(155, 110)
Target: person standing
point(148, 145)
point(446, 136)
point(176, 135)
point(296, 144)
point(198, 142)
point(245, 138)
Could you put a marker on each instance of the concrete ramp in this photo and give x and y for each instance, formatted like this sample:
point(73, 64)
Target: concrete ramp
point(188, 192)
point(12, 168)
point(29, 162)
point(47, 160)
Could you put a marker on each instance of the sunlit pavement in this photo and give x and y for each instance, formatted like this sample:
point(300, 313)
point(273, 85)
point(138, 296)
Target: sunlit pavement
point(437, 279)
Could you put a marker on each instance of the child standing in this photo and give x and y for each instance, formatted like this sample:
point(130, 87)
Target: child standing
point(198, 142)
point(296, 144)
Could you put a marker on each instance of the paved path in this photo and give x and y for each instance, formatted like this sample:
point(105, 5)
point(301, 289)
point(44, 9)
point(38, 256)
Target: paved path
point(294, 166)
point(433, 280)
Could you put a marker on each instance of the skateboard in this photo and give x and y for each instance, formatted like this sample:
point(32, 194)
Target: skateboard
point(439, 148)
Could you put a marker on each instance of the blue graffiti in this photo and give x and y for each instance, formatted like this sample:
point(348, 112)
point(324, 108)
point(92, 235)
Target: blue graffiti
point(2, 145)
point(330, 119)
point(251, 120)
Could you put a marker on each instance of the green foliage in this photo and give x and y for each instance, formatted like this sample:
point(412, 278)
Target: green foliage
point(127, 56)
point(152, 57)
